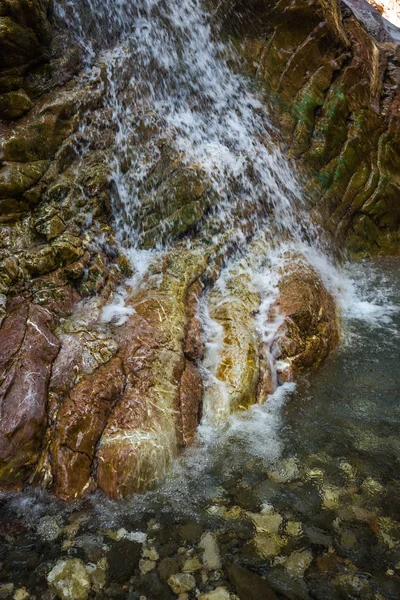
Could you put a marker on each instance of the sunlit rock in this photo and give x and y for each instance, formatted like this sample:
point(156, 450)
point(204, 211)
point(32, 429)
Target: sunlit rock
point(181, 583)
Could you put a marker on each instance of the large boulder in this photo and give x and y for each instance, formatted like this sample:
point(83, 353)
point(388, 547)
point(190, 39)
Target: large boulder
point(124, 423)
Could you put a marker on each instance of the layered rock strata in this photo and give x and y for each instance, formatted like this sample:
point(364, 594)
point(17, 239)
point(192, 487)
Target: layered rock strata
point(333, 81)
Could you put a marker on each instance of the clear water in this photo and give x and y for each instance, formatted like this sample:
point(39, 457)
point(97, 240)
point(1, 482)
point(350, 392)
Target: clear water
point(320, 459)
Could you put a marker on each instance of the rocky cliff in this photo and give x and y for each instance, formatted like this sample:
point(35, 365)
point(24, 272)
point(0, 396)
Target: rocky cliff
point(333, 83)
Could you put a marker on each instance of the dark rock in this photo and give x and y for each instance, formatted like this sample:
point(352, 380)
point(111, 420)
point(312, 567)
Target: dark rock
point(191, 532)
point(123, 560)
point(153, 588)
point(248, 585)
point(168, 567)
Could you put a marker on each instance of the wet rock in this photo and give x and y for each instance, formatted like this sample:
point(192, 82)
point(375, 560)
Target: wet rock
point(237, 370)
point(115, 590)
point(150, 553)
point(313, 99)
point(190, 398)
point(269, 522)
point(123, 560)
point(21, 594)
point(16, 178)
point(28, 349)
point(311, 328)
point(220, 593)
point(371, 486)
point(318, 537)
point(151, 587)
point(211, 556)
point(330, 497)
point(69, 580)
point(14, 105)
point(249, 586)
point(146, 428)
point(146, 566)
point(6, 590)
point(51, 228)
point(48, 528)
point(269, 545)
point(191, 565)
point(190, 532)
point(298, 562)
point(284, 584)
point(80, 423)
point(286, 472)
point(97, 574)
point(294, 529)
point(181, 583)
point(92, 545)
point(350, 584)
point(168, 567)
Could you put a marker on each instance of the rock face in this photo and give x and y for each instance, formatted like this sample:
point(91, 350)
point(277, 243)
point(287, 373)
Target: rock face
point(86, 402)
point(335, 88)
point(125, 422)
point(25, 34)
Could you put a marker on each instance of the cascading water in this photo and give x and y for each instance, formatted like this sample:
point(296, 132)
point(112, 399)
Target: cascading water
point(162, 69)
point(165, 73)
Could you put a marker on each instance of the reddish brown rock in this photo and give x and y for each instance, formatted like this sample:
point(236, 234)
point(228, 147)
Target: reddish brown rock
point(124, 422)
point(311, 327)
point(190, 399)
point(194, 343)
point(27, 350)
point(80, 423)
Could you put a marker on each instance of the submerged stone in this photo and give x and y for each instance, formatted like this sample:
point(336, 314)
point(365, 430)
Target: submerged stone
point(181, 583)
point(298, 562)
point(250, 585)
point(211, 556)
point(220, 593)
point(69, 580)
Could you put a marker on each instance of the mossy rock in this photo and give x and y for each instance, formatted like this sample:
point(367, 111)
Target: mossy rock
point(14, 105)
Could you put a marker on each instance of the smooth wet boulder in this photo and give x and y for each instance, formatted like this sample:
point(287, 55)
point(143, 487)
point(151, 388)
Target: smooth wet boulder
point(311, 326)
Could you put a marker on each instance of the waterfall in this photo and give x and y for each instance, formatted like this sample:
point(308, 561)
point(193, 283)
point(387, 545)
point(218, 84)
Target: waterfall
point(163, 70)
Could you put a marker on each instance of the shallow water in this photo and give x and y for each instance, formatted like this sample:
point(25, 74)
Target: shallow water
point(303, 491)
